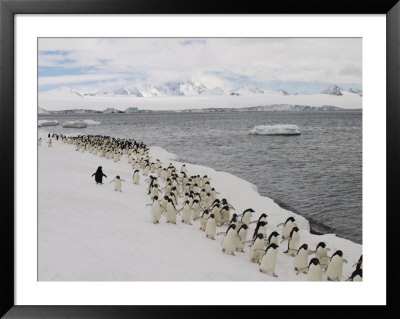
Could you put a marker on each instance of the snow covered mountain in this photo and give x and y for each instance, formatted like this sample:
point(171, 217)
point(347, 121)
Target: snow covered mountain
point(333, 90)
point(246, 90)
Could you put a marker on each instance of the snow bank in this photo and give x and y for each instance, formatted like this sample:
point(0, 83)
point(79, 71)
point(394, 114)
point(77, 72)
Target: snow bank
point(74, 124)
point(47, 123)
point(280, 129)
point(90, 232)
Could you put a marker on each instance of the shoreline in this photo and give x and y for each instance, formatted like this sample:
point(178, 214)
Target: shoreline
point(242, 195)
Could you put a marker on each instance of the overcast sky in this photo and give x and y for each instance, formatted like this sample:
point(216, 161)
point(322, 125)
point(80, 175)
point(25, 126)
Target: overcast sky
point(298, 65)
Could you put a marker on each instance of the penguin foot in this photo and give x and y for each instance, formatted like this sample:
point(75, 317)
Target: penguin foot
point(223, 250)
point(213, 238)
point(233, 254)
point(275, 275)
point(260, 270)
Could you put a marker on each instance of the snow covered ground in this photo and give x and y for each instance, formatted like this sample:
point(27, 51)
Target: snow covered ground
point(89, 232)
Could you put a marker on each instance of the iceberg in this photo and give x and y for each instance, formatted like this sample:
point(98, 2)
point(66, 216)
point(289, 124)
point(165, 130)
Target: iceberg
point(280, 129)
point(74, 124)
point(47, 123)
point(91, 122)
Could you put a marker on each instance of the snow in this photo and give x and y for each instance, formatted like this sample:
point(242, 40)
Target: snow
point(47, 123)
point(74, 124)
point(279, 129)
point(91, 122)
point(90, 232)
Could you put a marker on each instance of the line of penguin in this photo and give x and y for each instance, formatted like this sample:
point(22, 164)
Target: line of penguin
point(199, 202)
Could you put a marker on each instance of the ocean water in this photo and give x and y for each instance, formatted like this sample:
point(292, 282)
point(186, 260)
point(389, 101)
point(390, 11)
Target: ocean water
point(317, 174)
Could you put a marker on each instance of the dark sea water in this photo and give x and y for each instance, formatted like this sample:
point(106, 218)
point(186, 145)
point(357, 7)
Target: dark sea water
point(317, 174)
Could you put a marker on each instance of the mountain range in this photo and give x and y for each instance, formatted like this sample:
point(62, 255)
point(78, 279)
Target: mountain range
point(176, 88)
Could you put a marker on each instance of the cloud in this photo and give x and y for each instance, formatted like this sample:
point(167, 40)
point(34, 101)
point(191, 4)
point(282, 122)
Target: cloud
point(217, 60)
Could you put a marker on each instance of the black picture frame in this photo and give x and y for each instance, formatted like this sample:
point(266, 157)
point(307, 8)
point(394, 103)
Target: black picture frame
point(8, 8)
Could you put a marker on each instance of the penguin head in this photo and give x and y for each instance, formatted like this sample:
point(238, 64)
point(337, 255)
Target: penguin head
point(263, 216)
point(251, 210)
point(294, 230)
point(313, 261)
point(212, 215)
point(187, 202)
point(273, 234)
point(155, 197)
point(244, 226)
point(206, 212)
point(339, 253)
point(274, 246)
point(260, 236)
point(117, 177)
point(321, 244)
point(289, 219)
point(304, 246)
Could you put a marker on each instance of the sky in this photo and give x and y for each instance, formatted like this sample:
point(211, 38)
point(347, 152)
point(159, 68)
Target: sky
point(297, 65)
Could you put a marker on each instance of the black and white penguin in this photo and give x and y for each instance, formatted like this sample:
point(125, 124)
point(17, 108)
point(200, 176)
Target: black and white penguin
point(314, 270)
point(98, 175)
point(258, 245)
point(273, 238)
point(321, 252)
point(246, 216)
point(293, 241)
point(356, 275)
point(301, 259)
point(260, 229)
point(211, 227)
point(335, 267)
point(117, 183)
point(230, 241)
point(268, 260)
point(242, 237)
point(156, 210)
point(136, 177)
point(287, 227)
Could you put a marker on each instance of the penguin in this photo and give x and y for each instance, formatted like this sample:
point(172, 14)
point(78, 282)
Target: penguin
point(171, 212)
point(356, 275)
point(246, 216)
point(268, 260)
point(260, 229)
point(242, 237)
point(50, 142)
point(301, 260)
point(216, 212)
point(262, 218)
point(358, 265)
point(273, 238)
point(287, 227)
point(203, 220)
point(196, 210)
point(98, 175)
point(314, 270)
point(293, 241)
point(230, 241)
point(258, 244)
point(117, 183)
point(211, 227)
point(186, 213)
point(225, 214)
point(40, 141)
point(335, 267)
point(136, 177)
point(156, 210)
point(321, 252)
